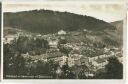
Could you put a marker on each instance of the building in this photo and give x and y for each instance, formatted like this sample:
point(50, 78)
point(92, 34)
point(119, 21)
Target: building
point(9, 38)
point(61, 32)
point(53, 43)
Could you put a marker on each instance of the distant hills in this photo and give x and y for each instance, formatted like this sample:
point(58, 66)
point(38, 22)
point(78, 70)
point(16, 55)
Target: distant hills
point(119, 32)
point(118, 25)
point(47, 21)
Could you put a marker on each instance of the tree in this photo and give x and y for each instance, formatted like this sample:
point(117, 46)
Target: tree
point(66, 72)
point(7, 59)
point(83, 71)
point(114, 69)
point(19, 65)
point(82, 74)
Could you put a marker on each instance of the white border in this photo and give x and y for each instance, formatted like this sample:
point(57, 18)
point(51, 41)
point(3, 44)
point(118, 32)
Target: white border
point(67, 1)
point(76, 81)
point(1, 41)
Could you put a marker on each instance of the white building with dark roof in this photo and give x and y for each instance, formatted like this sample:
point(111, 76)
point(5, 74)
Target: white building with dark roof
point(62, 32)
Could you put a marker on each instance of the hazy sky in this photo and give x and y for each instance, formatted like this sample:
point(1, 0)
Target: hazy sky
point(108, 12)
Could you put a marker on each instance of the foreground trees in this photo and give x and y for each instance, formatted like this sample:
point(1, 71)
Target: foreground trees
point(16, 64)
point(113, 70)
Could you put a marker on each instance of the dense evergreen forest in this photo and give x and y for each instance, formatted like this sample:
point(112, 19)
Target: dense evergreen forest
point(46, 21)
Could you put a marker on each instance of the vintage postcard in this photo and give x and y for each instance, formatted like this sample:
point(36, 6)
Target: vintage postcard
point(63, 40)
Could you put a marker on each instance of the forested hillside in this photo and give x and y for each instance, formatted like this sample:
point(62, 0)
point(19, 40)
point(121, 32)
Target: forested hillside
point(46, 21)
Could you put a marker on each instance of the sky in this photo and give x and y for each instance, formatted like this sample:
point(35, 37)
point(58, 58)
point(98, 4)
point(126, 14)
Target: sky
point(108, 12)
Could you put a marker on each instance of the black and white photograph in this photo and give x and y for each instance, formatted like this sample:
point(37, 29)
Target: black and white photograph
point(57, 40)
